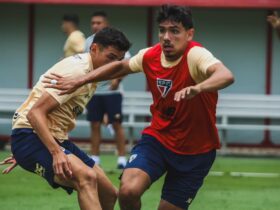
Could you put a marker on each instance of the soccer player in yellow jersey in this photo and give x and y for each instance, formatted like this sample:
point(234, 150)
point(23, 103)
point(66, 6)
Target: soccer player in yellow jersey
point(75, 42)
point(40, 126)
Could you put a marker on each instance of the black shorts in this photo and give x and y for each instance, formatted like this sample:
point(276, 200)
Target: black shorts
point(110, 104)
point(32, 155)
point(184, 173)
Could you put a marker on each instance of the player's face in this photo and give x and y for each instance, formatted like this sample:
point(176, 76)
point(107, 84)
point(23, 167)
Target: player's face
point(102, 56)
point(65, 26)
point(174, 39)
point(98, 23)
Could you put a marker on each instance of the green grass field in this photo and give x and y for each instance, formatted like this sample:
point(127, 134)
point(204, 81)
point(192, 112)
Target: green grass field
point(25, 191)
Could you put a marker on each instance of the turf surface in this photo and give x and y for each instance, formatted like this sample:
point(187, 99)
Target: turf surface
point(21, 190)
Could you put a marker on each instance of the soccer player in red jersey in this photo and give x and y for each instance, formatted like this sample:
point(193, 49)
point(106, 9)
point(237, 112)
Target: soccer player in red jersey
point(182, 139)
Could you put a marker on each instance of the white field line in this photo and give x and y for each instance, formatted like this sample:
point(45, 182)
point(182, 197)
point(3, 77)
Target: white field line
point(244, 174)
point(216, 173)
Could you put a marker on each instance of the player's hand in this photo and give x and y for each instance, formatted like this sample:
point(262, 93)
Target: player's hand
point(274, 20)
point(62, 165)
point(9, 160)
point(187, 93)
point(67, 85)
point(114, 84)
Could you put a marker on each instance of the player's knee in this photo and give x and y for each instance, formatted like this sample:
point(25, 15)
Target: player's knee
point(128, 192)
point(87, 178)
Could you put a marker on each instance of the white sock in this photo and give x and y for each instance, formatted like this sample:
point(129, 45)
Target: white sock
point(96, 159)
point(122, 160)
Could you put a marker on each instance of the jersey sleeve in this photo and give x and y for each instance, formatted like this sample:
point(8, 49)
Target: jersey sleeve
point(66, 67)
point(199, 60)
point(136, 62)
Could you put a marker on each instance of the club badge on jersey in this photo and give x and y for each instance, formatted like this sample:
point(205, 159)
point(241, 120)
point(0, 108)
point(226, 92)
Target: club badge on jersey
point(164, 86)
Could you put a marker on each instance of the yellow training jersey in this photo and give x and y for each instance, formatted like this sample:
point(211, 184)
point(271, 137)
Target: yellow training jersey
point(74, 44)
point(62, 119)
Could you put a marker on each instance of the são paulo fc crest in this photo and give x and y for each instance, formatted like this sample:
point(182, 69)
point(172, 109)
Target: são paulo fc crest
point(164, 86)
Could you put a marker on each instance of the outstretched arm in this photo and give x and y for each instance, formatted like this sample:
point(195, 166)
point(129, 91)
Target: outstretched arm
point(219, 78)
point(37, 117)
point(68, 85)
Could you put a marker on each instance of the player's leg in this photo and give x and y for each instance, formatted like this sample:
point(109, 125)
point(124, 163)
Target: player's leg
point(106, 190)
point(95, 112)
point(84, 180)
point(115, 118)
point(184, 178)
point(145, 165)
point(134, 183)
point(32, 155)
point(120, 142)
point(95, 138)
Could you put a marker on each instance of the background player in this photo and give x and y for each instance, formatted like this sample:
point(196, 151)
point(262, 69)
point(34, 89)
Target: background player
point(182, 139)
point(41, 125)
point(75, 42)
point(100, 106)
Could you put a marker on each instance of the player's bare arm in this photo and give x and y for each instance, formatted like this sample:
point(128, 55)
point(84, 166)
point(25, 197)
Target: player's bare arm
point(219, 77)
point(37, 117)
point(68, 85)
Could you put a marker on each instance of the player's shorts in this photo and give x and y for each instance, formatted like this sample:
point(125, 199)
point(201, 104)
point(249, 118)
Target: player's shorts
point(107, 103)
point(185, 173)
point(32, 155)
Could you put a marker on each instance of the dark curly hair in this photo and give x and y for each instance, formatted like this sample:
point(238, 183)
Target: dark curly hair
point(112, 37)
point(178, 14)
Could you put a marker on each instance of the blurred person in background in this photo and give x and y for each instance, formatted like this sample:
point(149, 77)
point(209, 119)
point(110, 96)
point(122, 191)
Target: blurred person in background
point(75, 42)
point(274, 21)
point(99, 108)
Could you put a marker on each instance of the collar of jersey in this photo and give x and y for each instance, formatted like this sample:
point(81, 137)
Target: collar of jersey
point(169, 64)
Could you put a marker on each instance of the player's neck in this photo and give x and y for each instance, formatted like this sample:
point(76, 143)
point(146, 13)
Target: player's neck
point(71, 30)
point(172, 58)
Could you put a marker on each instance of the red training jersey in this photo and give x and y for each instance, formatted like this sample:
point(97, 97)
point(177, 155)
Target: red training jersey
point(185, 127)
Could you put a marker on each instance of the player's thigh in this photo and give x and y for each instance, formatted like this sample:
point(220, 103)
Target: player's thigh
point(113, 106)
point(71, 148)
point(145, 165)
point(134, 181)
point(185, 177)
point(80, 171)
point(82, 162)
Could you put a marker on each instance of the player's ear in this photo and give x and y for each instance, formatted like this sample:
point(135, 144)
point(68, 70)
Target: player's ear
point(93, 48)
point(190, 34)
